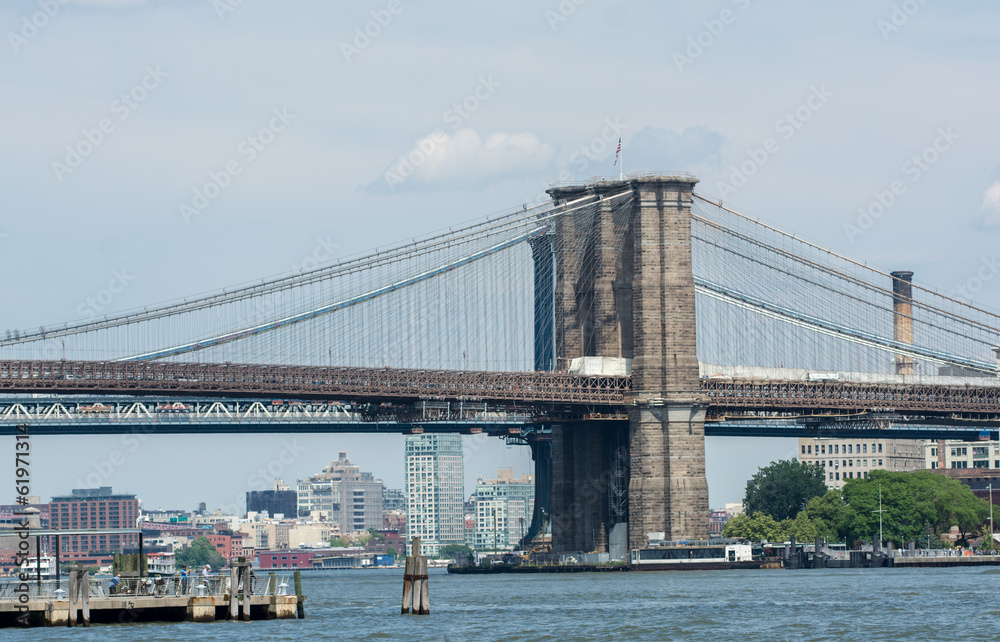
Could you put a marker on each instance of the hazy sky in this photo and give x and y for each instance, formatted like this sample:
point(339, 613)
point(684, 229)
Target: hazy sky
point(115, 115)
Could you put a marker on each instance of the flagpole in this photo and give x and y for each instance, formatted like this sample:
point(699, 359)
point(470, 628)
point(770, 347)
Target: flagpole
point(621, 166)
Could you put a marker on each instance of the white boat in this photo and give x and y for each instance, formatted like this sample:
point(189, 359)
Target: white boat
point(160, 564)
point(30, 566)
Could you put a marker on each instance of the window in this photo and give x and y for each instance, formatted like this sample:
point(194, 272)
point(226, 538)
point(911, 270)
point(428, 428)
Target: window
point(838, 476)
point(836, 450)
point(866, 463)
point(850, 449)
point(880, 447)
point(880, 461)
point(851, 474)
point(831, 475)
point(803, 450)
point(934, 452)
point(809, 449)
point(822, 449)
point(864, 449)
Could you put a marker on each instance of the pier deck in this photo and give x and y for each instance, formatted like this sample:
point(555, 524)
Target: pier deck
point(117, 610)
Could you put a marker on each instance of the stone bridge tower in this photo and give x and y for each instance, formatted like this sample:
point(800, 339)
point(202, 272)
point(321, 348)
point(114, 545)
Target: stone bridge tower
point(624, 287)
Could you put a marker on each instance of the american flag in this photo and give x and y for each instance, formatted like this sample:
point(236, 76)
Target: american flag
point(618, 153)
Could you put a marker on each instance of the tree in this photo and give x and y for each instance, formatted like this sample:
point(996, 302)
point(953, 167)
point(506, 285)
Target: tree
point(782, 489)
point(756, 528)
point(200, 552)
point(392, 551)
point(913, 504)
point(827, 512)
point(454, 551)
point(339, 542)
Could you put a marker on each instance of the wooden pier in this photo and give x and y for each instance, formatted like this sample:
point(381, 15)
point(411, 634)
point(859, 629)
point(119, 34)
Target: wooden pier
point(123, 609)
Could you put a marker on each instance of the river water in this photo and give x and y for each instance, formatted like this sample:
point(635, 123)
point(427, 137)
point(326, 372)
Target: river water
point(829, 604)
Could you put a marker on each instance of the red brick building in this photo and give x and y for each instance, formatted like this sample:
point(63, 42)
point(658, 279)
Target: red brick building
point(228, 543)
point(94, 508)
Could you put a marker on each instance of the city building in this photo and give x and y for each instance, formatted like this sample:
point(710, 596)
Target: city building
point(393, 499)
point(434, 490)
point(847, 458)
point(349, 497)
point(503, 509)
point(956, 454)
point(93, 508)
point(274, 502)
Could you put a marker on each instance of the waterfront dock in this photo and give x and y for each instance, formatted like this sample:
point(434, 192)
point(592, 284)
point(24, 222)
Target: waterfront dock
point(170, 599)
point(946, 560)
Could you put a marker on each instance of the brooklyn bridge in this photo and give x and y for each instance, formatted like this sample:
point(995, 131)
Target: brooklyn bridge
point(610, 329)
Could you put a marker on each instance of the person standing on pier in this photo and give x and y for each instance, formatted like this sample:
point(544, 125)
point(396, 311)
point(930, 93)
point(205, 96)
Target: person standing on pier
point(184, 580)
point(204, 575)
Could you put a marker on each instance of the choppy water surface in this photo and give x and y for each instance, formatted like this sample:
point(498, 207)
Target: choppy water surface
point(834, 604)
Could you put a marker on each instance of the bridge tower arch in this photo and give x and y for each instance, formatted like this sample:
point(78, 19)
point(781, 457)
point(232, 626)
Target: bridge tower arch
point(624, 287)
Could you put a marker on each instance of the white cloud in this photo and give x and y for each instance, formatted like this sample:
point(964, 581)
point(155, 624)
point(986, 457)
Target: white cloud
point(464, 158)
point(991, 207)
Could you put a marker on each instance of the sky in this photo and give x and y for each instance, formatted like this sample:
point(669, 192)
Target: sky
point(151, 150)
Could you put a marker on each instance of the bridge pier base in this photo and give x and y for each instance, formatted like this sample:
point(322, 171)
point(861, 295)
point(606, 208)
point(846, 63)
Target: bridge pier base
point(586, 484)
point(668, 492)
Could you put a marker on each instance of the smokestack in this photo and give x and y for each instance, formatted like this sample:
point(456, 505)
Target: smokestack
point(902, 309)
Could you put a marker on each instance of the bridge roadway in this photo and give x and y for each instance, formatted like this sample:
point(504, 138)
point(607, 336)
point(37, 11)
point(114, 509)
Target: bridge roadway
point(499, 402)
point(125, 415)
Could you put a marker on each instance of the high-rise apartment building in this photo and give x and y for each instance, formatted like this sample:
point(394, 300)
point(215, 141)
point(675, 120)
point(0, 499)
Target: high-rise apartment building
point(850, 458)
point(434, 491)
point(94, 508)
point(351, 498)
point(503, 509)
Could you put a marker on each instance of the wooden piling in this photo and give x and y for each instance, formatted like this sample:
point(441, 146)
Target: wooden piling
point(407, 585)
point(247, 590)
point(415, 589)
point(423, 601)
point(234, 587)
point(300, 610)
point(72, 596)
point(84, 585)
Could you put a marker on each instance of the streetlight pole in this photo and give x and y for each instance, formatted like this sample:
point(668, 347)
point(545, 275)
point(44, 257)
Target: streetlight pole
point(879, 511)
point(494, 531)
point(990, 487)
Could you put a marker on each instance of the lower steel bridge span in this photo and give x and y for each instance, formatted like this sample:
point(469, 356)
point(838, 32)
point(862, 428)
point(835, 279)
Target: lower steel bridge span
point(535, 397)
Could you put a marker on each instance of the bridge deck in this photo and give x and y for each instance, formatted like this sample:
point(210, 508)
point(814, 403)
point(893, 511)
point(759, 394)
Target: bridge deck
point(522, 389)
